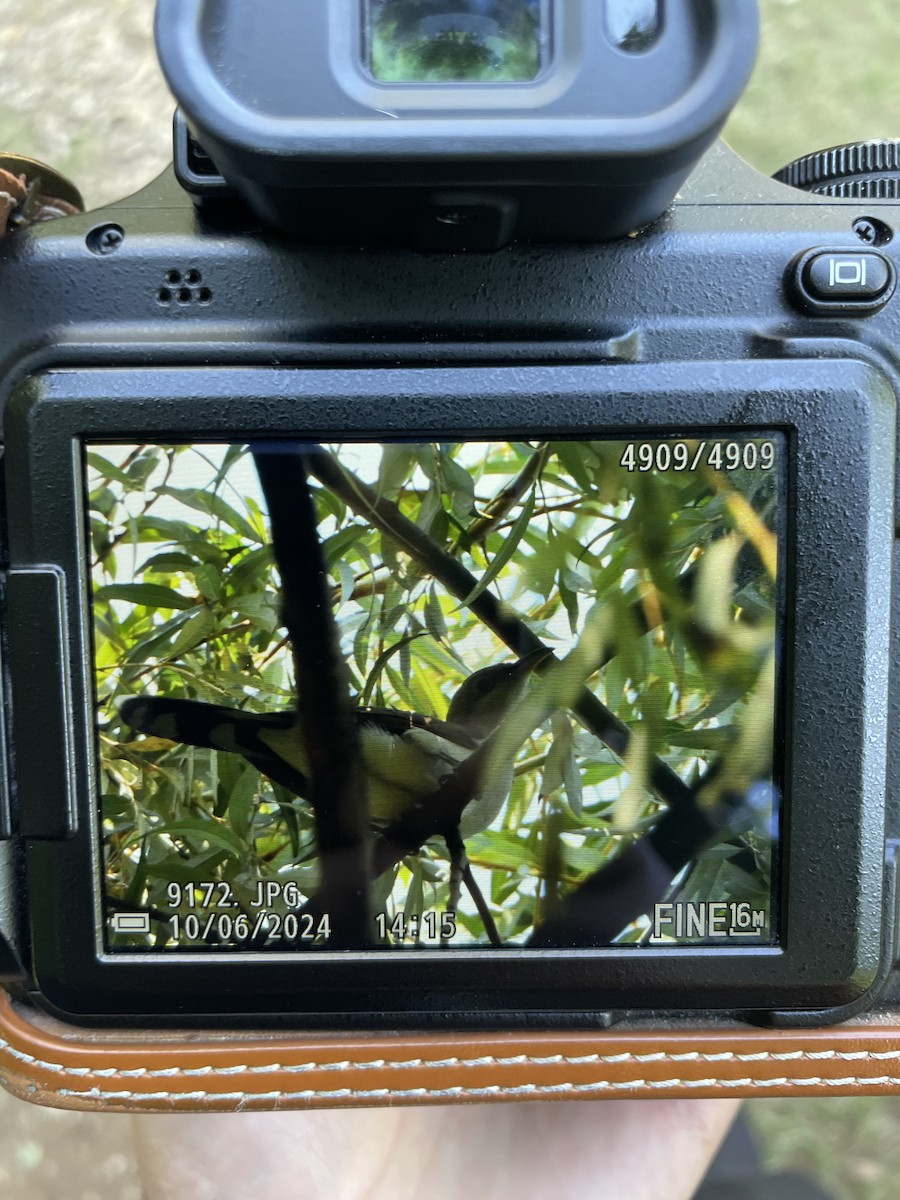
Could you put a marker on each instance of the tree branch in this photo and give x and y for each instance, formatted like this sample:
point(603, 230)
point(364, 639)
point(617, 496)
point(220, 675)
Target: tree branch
point(337, 785)
point(509, 627)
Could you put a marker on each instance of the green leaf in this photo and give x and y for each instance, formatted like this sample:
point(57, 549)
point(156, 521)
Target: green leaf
point(560, 749)
point(539, 572)
point(502, 851)
point(425, 694)
point(398, 683)
point(572, 778)
point(405, 659)
point(506, 551)
point(439, 529)
point(610, 577)
point(115, 806)
point(174, 869)
point(381, 889)
point(380, 663)
point(397, 462)
point(361, 645)
point(214, 506)
point(149, 595)
point(336, 546)
point(414, 903)
point(429, 509)
point(440, 658)
point(209, 581)
point(151, 528)
point(252, 570)
point(257, 520)
point(213, 832)
point(460, 484)
point(724, 697)
point(233, 454)
point(260, 608)
point(241, 802)
point(329, 505)
point(288, 811)
point(170, 562)
point(347, 578)
point(599, 772)
point(196, 629)
point(108, 471)
point(147, 647)
point(571, 456)
point(576, 582)
point(140, 470)
point(570, 602)
point(699, 739)
point(434, 616)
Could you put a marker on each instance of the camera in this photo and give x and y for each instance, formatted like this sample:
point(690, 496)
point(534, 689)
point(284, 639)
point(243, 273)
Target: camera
point(447, 539)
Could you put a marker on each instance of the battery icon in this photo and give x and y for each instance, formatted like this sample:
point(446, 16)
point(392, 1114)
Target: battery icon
point(131, 922)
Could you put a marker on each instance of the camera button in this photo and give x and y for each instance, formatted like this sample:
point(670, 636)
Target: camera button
point(842, 282)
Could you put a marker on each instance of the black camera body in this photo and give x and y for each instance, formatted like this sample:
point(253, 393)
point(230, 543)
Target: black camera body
point(708, 401)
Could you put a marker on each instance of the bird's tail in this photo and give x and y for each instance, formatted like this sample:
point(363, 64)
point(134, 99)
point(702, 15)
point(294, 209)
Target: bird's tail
point(216, 727)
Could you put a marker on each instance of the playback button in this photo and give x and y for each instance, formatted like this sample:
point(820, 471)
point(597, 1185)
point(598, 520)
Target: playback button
point(842, 282)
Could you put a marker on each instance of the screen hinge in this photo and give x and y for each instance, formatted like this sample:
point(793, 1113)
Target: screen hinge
point(41, 681)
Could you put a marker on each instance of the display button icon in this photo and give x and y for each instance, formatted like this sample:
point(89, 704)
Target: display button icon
point(843, 282)
point(864, 276)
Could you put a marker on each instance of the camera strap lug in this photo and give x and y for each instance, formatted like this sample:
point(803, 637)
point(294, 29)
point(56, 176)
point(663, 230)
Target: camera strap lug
point(31, 192)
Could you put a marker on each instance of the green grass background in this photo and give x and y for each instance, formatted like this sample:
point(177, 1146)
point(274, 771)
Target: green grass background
point(827, 73)
point(79, 88)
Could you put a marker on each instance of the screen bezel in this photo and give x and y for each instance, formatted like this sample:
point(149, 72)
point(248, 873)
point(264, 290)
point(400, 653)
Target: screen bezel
point(835, 630)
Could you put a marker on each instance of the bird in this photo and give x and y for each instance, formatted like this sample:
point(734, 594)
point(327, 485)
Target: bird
point(406, 756)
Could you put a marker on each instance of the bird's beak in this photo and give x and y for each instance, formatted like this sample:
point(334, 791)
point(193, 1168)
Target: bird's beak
point(533, 659)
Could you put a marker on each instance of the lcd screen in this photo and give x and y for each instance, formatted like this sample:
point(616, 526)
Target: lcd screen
point(563, 664)
point(455, 41)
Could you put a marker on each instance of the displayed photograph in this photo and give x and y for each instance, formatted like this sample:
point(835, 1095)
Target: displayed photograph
point(410, 695)
point(456, 41)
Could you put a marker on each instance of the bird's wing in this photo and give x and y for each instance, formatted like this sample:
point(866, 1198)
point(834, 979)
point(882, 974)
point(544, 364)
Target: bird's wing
point(404, 770)
point(398, 722)
point(406, 755)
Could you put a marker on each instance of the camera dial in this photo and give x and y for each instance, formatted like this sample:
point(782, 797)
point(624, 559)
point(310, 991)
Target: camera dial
point(834, 282)
point(864, 170)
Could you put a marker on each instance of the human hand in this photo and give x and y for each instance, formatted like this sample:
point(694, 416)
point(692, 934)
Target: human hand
point(577, 1150)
